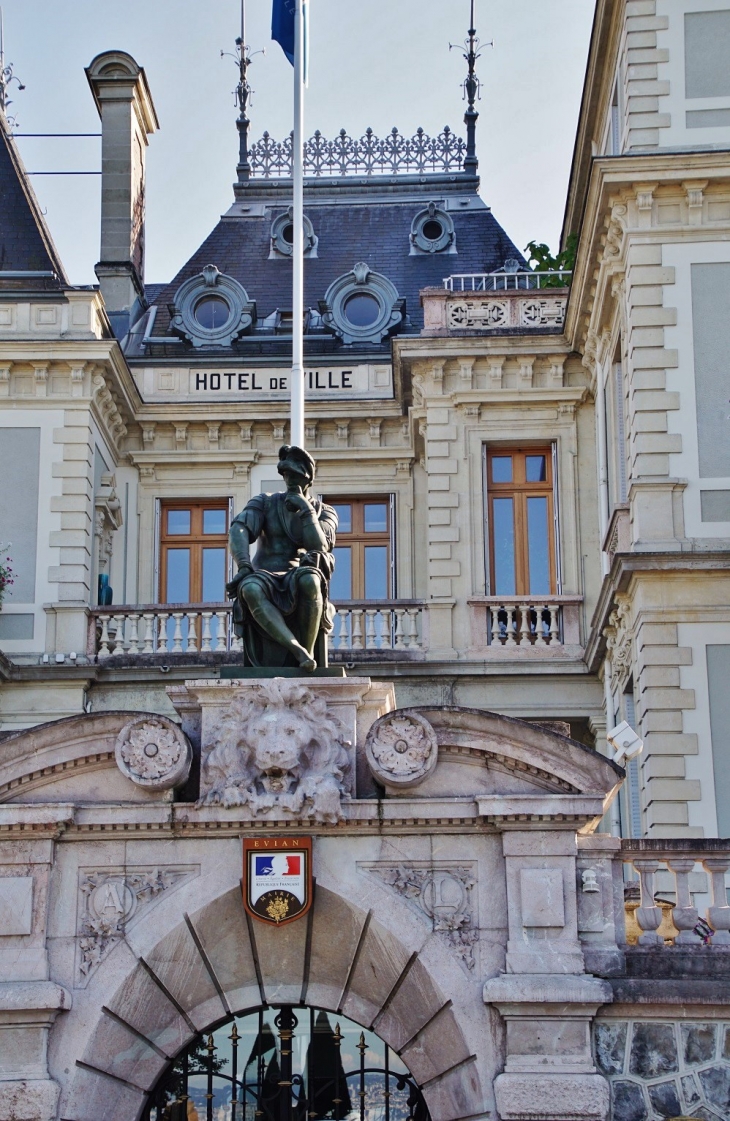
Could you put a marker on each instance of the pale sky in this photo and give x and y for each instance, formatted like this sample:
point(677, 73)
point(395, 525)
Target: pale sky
point(375, 63)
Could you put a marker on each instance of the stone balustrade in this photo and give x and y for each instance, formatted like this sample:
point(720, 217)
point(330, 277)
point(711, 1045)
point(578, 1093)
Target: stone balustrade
point(201, 628)
point(456, 310)
point(680, 872)
point(390, 625)
point(503, 623)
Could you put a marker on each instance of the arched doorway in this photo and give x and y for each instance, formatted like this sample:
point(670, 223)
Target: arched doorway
point(287, 1063)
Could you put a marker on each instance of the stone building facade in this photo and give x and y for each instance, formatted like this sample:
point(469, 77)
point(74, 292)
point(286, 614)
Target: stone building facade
point(531, 474)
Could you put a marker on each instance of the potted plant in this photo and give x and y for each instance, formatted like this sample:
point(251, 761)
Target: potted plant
point(6, 572)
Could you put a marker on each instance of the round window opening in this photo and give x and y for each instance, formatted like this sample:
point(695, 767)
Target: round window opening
point(432, 229)
point(212, 312)
point(362, 309)
point(287, 1064)
point(288, 234)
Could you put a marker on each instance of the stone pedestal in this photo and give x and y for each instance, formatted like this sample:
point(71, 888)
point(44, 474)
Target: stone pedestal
point(283, 748)
point(27, 1012)
point(549, 1073)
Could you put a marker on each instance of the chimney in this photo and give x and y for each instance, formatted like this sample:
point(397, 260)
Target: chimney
point(128, 117)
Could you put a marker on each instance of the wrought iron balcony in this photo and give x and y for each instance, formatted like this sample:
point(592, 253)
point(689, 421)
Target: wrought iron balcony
point(507, 281)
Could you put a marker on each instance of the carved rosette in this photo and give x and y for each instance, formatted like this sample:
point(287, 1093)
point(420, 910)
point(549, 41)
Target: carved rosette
point(401, 749)
point(153, 752)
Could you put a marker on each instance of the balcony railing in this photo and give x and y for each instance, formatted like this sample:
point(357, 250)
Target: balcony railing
point(203, 628)
point(507, 281)
point(535, 622)
point(673, 877)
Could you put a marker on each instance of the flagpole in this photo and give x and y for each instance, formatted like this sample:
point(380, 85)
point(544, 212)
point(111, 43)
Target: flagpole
point(297, 370)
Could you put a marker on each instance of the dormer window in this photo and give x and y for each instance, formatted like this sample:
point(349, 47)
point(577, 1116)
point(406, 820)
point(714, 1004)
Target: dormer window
point(432, 231)
point(211, 309)
point(282, 236)
point(362, 306)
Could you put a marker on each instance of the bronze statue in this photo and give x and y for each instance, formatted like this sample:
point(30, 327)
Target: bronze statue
point(281, 608)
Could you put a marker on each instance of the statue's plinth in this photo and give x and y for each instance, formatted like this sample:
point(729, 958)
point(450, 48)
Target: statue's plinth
point(253, 673)
point(283, 745)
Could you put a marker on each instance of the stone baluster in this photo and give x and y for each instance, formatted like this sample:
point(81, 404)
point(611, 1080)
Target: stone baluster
point(370, 636)
point(647, 915)
point(357, 643)
point(104, 637)
point(525, 634)
point(192, 635)
point(133, 647)
point(205, 643)
point(343, 637)
point(399, 638)
point(386, 641)
point(684, 915)
point(554, 624)
point(540, 625)
point(177, 633)
point(413, 642)
point(148, 620)
point(495, 637)
point(116, 623)
point(162, 632)
point(220, 631)
point(511, 626)
point(718, 915)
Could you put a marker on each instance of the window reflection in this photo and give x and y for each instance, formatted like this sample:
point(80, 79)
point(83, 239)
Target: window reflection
point(178, 521)
point(501, 468)
point(376, 572)
point(344, 518)
point(538, 546)
point(178, 576)
point(214, 575)
point(341, 582)
point(376, 518)
point(214, 521)
point(535, 469)
point(503, 529)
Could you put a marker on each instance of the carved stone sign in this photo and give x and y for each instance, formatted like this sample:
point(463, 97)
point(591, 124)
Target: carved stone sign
point(277, 878)
point(153, 752)
point(401, 749)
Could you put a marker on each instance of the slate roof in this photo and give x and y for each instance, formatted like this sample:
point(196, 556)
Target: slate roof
point(25, 242)
point(373, 229)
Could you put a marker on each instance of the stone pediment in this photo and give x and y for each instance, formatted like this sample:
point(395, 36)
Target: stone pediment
point(69, 760)
point(484, 753)
point(472, 764)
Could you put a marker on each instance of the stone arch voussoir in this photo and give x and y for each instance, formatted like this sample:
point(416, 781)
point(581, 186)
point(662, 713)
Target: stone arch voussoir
point(216, 962)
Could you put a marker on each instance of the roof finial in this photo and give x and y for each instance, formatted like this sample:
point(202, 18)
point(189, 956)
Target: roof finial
point(242, 58)
point(6, 73)
point(472, 93)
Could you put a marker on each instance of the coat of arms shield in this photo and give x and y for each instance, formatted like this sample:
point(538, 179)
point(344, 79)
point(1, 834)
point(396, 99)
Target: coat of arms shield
point(277, 878)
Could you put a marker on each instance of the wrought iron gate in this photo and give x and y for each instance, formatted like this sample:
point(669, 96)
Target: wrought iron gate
point(301, 1069)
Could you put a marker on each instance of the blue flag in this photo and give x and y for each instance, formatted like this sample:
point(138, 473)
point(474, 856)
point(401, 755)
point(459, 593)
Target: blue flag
point(282, 26)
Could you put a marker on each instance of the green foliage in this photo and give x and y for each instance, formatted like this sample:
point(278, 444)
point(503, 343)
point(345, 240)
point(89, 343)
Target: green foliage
point(540, 259)
point(6, 573)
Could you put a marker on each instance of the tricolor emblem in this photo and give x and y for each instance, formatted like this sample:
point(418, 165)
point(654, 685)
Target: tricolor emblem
point(277, 878)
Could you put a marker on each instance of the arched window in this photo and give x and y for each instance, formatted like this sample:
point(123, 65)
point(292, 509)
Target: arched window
point(287, 1064)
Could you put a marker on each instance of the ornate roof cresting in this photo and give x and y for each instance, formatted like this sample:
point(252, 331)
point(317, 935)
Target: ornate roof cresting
point(369, 155)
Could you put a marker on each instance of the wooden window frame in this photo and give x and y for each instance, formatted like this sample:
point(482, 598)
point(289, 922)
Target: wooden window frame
point(195, 541)
point(358, 538)
point(519, 490)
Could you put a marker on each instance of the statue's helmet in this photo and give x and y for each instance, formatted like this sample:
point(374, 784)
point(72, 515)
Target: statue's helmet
point(292, 458)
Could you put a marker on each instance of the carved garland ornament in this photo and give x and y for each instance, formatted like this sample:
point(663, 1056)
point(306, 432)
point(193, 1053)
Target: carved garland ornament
point(401, 749)
point(443, 894)
point(109, 898)
point(153, 752)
